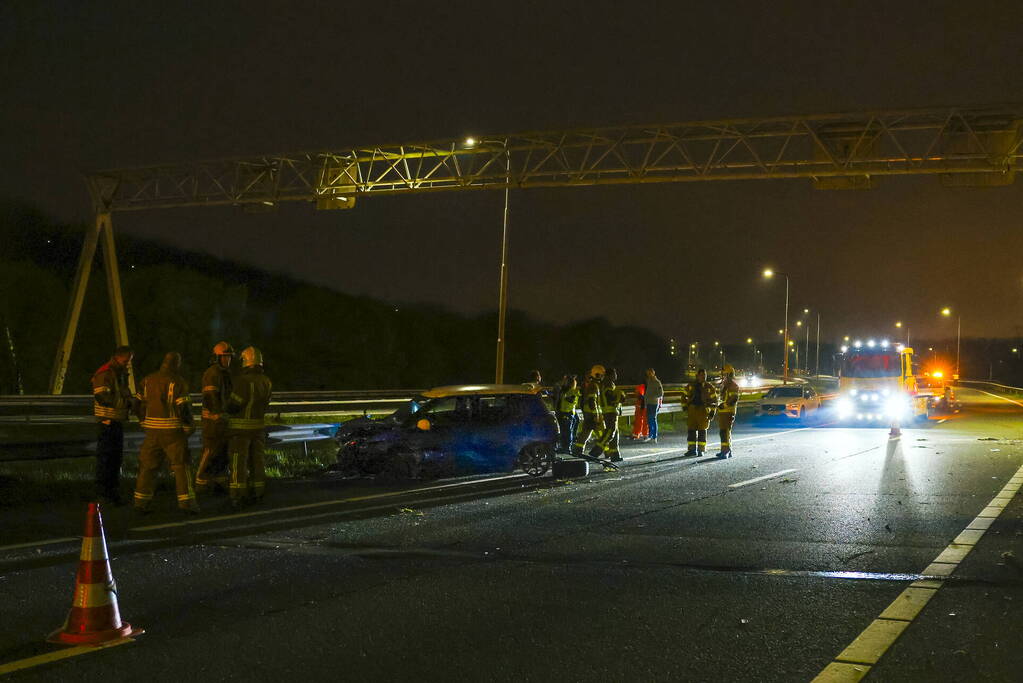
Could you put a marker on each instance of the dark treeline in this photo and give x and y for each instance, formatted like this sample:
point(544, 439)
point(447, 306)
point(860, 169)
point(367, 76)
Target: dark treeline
point(312, 337)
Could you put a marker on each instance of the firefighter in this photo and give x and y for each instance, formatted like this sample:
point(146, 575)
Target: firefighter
point(167, 418)
point(567, 400)
point(249, 401)
point(112, 401)
point(593, 420)
point(726, 410)
point(216, 389)
point(699, 398)
point(611, 400)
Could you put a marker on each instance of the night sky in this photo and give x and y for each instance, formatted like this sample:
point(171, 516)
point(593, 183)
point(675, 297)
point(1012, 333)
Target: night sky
point(87, 86)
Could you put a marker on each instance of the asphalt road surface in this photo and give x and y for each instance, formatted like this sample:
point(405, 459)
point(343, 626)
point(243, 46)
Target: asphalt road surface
point(817, 550)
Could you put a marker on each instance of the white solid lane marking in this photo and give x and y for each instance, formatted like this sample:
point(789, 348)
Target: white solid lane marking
point(325, 503)
point(997, 396)
point(886, 629)
point(33, 544)
point(763, 478)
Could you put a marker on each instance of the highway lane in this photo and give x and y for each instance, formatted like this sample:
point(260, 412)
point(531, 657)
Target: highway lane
point(762, 567)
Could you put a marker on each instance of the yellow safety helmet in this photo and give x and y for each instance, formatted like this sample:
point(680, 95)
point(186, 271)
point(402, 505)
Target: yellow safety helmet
point(223, 349)
point(728, 370)
point(597, 371)
point(251, 357)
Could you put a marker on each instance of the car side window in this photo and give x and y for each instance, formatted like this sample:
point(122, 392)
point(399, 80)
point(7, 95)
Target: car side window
point(494, 409)
point(448, 410)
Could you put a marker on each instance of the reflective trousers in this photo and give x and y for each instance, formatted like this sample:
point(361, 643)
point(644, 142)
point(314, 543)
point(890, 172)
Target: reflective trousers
point(245, 450)
point(109, 454)
point(697, 422)
point(213, 462)
point(159, 444)
point(567, 423)
point(593, 425)
point(640, 430)
point(725, 422)
point(609, 440)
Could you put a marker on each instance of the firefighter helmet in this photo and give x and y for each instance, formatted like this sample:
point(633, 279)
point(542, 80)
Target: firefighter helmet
point(728, 370)
point(597, 371)
point(251, 357)
point(223, 349)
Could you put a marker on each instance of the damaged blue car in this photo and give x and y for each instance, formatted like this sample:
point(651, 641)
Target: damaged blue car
point(466, 429)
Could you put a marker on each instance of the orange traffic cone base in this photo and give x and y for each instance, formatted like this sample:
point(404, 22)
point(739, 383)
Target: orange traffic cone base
point(62, 637)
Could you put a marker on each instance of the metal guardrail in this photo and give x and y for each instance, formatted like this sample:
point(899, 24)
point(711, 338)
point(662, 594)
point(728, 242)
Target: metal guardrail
point(75, 409)
point(1004, 387)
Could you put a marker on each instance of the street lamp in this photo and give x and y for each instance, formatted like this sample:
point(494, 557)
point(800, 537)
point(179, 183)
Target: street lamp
point(502, 303)
point(947, 312)
point(749, 340)
point(768, 274)
point(900, 325)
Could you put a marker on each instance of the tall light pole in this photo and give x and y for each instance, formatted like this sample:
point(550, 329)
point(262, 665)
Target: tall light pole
point(770, 273)
point(900, 325)
point(502, 301)
point(817, 359)
point(749, 340)
point(947, 312)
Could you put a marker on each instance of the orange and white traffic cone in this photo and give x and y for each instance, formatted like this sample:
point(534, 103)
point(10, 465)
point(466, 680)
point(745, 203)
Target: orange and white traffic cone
point(94, 617)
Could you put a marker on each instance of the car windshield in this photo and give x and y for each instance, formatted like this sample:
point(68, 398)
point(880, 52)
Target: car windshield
point(871, 365)
point(785, 392)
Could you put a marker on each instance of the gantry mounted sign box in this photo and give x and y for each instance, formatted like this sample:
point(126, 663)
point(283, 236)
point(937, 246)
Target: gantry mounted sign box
point(964, 146)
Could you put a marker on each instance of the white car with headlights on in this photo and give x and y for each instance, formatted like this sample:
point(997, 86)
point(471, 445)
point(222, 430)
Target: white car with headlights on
point(794, 401)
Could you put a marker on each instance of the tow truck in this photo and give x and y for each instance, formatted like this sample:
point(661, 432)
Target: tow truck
point(876, 384)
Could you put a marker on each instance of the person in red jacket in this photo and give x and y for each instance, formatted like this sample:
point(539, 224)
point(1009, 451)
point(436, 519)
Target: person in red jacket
point(640, 428)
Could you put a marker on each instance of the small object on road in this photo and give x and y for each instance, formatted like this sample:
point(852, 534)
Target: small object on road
point(985, 438)
point(996, 450)
point(887, 527)
point(743, 622)
point(787, 480)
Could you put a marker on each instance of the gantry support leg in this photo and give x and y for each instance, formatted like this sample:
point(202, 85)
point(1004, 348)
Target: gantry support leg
point(101, 229)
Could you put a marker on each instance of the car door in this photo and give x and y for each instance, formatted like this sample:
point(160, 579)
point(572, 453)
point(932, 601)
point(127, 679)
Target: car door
point(448, 433)
point(497, 424)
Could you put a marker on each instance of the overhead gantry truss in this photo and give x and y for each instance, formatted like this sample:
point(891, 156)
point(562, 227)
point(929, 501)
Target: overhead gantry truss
point(855, 148)
point(966, 146)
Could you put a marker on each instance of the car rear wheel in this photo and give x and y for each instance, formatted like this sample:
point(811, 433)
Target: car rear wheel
point(535, 459)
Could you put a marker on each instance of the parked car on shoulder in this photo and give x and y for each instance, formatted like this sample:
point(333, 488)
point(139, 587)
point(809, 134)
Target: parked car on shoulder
point(797, 401)
point(455, 430)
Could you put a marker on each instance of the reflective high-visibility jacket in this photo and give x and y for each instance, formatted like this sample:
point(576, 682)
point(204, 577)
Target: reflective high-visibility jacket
point(729, 396)
point(700, 394)
point(110, 393)
point(250, 399)
point(164, 401)
point(591, 397)
point(216, 390)
point(611, 398)
point(568, 399)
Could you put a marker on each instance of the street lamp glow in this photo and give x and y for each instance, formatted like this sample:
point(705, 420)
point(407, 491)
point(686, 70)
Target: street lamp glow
point(792, 343)
point(749, 340)
point(806, 311)
point(844, 348)
point(781, 331)
point(845, 338)
point(799, 323)
point(470, 142)
point(768, 273)
point(870, 343)
point(946, 311)
point(898, 323)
